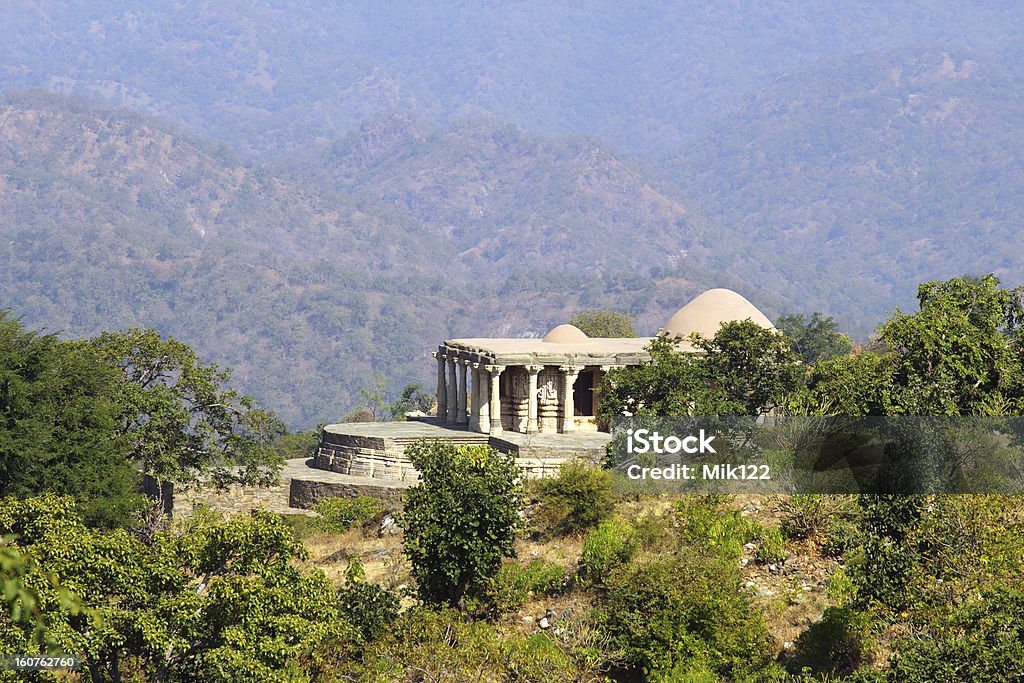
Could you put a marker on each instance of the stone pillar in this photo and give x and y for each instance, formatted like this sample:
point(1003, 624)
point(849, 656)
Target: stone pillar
point(495, 402)
point(460, 412)
point(481, 387)
point(452, 383)
point(569, 375)
point(442, 387)
point(531, 415)
point(472, 399)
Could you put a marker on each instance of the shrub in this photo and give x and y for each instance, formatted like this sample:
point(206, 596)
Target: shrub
point(707, 524)
point(838, 644)
point(806, 515)
point(840, 588)
point(652, 531)
point(302, 526)
point(338, 515)
point(461, 519)
point(578, 499)
point(367, 606)
point(611, 544)
point(981, 641)
point(687, 613)
point(887, 568)
point(772, 547)
point(842, 536)
point(509, 589)
point(424, 644)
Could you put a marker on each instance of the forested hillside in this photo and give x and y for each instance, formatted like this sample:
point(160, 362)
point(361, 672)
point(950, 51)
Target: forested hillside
point(878, 171)
point(326, 192)
point(265, 77)
point(113, 221)
point(308, 284)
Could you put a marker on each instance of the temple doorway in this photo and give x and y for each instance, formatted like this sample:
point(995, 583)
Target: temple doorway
point(583, 394)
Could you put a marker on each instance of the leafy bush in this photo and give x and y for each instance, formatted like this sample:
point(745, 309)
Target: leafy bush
point(842, 536)
point(578, 499)
point(338, 515)
point(461, 519)
point(811, 515)
point(688, 613)
point(509, 589)
point(611, 544)
point(887, 567)
point(706, 523)
point(652, 531)
point(981, 641)
point(367, 606)
point(840, 588)
point(839, 643)
point(212, 601)
point(772, 547)
point(303, 526)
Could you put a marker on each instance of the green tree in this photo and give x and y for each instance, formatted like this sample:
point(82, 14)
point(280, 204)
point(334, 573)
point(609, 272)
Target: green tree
point(743, 370)
point(853, 385)
point(752, 369)
point(413, 398)
point(461, 519)
point(211, 601)
point(816, 339)
point(604, 322)
point(959, 354)
point(178, 418)
point(58, 426)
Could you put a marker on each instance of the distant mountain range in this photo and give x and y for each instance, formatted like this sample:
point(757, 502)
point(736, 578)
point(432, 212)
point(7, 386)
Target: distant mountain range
point(265, 76)
point(316, 194)
point(856, 180)
point(308, 283)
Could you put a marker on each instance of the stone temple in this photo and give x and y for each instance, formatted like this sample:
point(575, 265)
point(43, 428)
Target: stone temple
point(534, 398)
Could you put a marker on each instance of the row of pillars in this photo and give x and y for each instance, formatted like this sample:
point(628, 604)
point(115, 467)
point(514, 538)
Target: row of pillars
point(482, 411)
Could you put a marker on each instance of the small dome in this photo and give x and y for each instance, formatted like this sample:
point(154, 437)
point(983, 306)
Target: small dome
point(565, 334)
point(705, 314)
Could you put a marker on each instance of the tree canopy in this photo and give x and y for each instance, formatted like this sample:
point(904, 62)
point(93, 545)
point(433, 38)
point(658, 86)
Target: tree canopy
point(815, 339)
point(58, 425)
point(178, 417)
point(461, 519)
point(604, 322)
point(743, 370)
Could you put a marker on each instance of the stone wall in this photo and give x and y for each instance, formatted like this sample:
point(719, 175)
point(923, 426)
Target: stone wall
point(234, 500)
point(306, 493)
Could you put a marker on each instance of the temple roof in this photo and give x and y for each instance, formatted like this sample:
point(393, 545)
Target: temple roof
point(513, 351)
point(568, 345)
point(565, 334)
point(706, 313)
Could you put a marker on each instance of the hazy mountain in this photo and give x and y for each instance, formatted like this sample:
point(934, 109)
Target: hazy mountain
point(264, 76)
point(338, 187)
point(857, 179)
point(112, 219)
point(503, 199)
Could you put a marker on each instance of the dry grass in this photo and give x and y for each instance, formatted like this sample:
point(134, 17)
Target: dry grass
point(382, 557)
point(788, 606)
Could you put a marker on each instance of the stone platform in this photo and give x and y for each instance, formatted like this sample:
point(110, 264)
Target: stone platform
point(298, 489)
point(376, 450)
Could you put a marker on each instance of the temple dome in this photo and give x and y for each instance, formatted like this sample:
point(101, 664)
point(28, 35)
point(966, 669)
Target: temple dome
point(565, 334)
point(705, 314)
